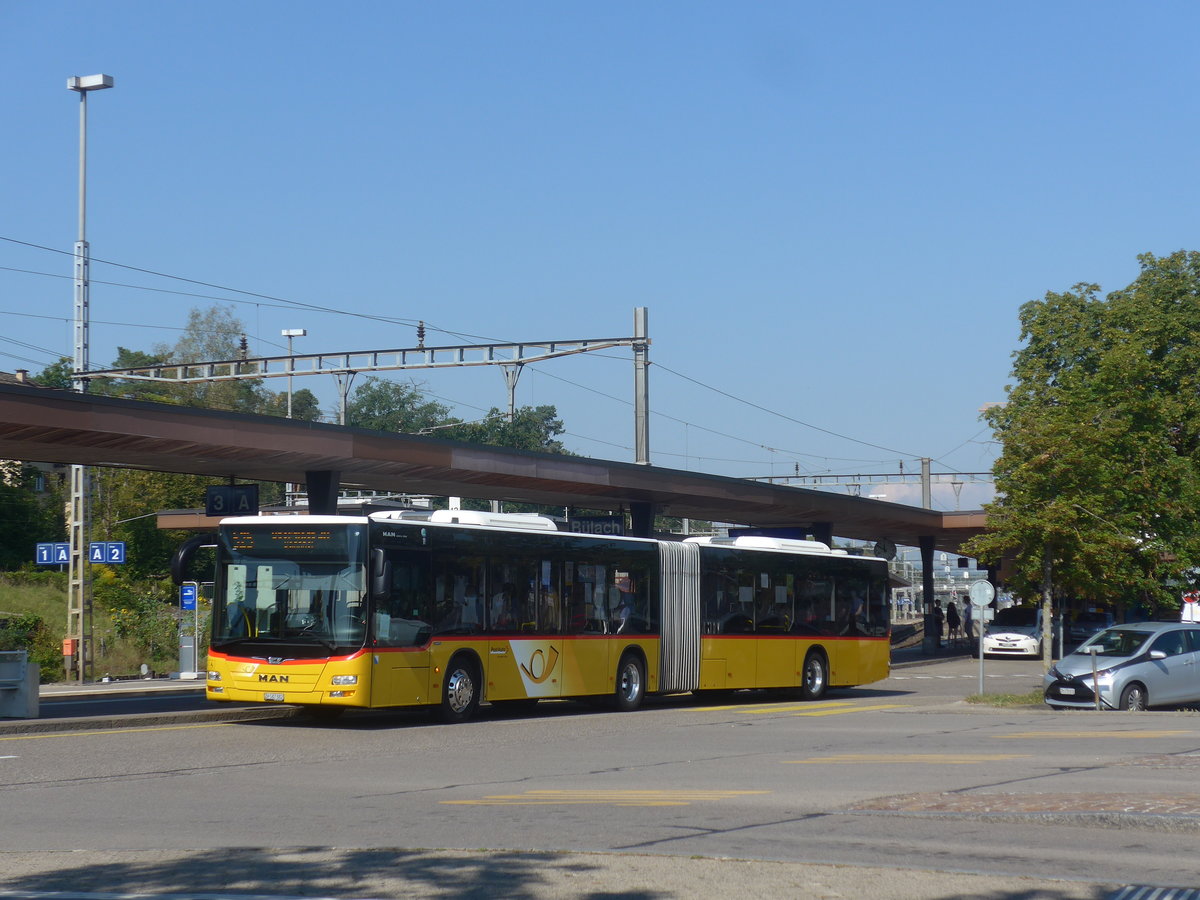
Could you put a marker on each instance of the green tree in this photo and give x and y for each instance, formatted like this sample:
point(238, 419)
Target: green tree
point(130, 389)
point(125, 504)
point(531, 428)
point(57, 375)
point(305, 405)
point(392, 406)
point(1099, 477)
point(214, 334)
point(26, 516)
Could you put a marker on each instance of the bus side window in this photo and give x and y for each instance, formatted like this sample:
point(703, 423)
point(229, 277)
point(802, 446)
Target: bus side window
point(814, 606)
point(546, 589)
point(584, 586)
point(402, 619)
point(878, 608)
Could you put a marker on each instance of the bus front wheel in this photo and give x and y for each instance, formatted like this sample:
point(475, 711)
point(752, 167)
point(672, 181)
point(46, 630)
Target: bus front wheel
point(631, 683)
point(460, 692)
point(815, 676)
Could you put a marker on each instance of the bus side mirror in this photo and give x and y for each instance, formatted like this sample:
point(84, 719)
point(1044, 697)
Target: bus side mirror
point(182, 558)
point(381, 575)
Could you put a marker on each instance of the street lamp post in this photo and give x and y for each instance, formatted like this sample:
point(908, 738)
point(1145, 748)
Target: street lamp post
point(79, 607)
point(290, 333)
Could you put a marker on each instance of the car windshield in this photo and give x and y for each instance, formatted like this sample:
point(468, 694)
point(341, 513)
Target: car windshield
point(1115, 642)
point(1016, 615)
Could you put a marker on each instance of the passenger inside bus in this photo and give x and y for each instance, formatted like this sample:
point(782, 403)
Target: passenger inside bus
point(501, 612)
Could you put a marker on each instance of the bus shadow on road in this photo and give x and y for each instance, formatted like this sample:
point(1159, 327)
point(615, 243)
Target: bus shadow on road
point(421, 717)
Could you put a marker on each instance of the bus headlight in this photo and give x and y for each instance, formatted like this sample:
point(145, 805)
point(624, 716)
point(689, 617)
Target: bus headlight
point(214, 675)
point(344, 679)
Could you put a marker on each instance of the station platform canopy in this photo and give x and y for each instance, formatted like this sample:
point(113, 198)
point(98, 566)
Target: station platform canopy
point(42, 425)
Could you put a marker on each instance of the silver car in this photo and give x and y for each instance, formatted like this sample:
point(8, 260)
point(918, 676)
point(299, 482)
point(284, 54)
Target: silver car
point(1137, 666)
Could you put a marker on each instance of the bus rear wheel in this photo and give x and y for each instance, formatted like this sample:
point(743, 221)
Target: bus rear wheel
point(815, 676)
point(460, 692)
point(631, 683)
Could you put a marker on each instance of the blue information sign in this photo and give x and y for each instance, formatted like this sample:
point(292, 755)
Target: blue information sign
point(112, 552)
point(187, 596)
point(56, 554)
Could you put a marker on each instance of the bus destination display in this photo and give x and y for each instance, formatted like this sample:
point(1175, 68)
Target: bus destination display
point(288, 540)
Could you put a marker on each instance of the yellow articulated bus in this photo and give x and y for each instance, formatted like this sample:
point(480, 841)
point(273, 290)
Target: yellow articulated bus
point(453, 608)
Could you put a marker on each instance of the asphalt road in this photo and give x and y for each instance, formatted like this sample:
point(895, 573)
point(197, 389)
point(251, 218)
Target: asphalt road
point(896, 790)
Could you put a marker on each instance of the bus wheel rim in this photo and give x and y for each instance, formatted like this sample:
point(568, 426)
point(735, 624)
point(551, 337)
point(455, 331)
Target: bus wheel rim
point(814, 675)
point(460, 691)
point(630, 681)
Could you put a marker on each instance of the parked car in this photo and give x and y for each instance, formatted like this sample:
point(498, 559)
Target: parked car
point(1137, 666)
point(1016, 631)
point(1086, 624)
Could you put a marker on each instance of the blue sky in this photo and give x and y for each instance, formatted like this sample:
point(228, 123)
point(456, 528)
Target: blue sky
point(833, 212)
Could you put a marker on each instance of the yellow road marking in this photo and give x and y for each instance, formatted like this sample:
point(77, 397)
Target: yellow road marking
point(596, 798)
point(1091, 734)
point(852, 709)
point(771, 707)
point(101, 732)
point(767, 710)
point(950, 759)
point(818, 708)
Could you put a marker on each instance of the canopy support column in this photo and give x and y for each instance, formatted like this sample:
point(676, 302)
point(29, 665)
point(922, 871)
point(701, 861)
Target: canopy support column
point(930, 642)
point(322, 486)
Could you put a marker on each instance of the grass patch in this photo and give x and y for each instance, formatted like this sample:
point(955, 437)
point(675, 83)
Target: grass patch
point(1033, 698)
point(45, 597)
point(133, 622)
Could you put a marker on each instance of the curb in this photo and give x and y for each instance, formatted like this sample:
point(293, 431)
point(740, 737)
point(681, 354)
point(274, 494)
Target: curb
point(20, 727)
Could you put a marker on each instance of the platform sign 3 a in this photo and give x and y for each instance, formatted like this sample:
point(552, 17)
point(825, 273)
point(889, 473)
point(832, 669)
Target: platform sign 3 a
point(231, 500)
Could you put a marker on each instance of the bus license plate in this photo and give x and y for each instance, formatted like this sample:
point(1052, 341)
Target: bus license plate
point(277, 698)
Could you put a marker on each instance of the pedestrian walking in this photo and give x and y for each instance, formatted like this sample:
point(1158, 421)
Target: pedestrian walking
point(953, 623)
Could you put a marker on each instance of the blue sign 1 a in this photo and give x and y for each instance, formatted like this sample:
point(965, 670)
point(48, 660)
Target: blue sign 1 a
point(187, 596)
point(56, 554)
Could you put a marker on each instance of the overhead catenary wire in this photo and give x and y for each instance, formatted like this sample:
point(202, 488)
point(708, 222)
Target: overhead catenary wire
point(283, 302)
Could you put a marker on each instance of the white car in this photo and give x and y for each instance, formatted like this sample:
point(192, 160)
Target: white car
point(1016, 631)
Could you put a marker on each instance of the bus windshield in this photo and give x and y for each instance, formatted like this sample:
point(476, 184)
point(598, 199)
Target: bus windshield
point(297, 585)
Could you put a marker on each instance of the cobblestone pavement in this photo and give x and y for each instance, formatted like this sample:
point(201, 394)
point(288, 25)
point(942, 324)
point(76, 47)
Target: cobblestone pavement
point(1175, 811)
point(1180, 805)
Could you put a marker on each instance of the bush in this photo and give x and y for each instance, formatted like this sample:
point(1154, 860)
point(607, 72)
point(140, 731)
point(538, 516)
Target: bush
point(140, 614)
point(28, 632)
point(42, 577)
